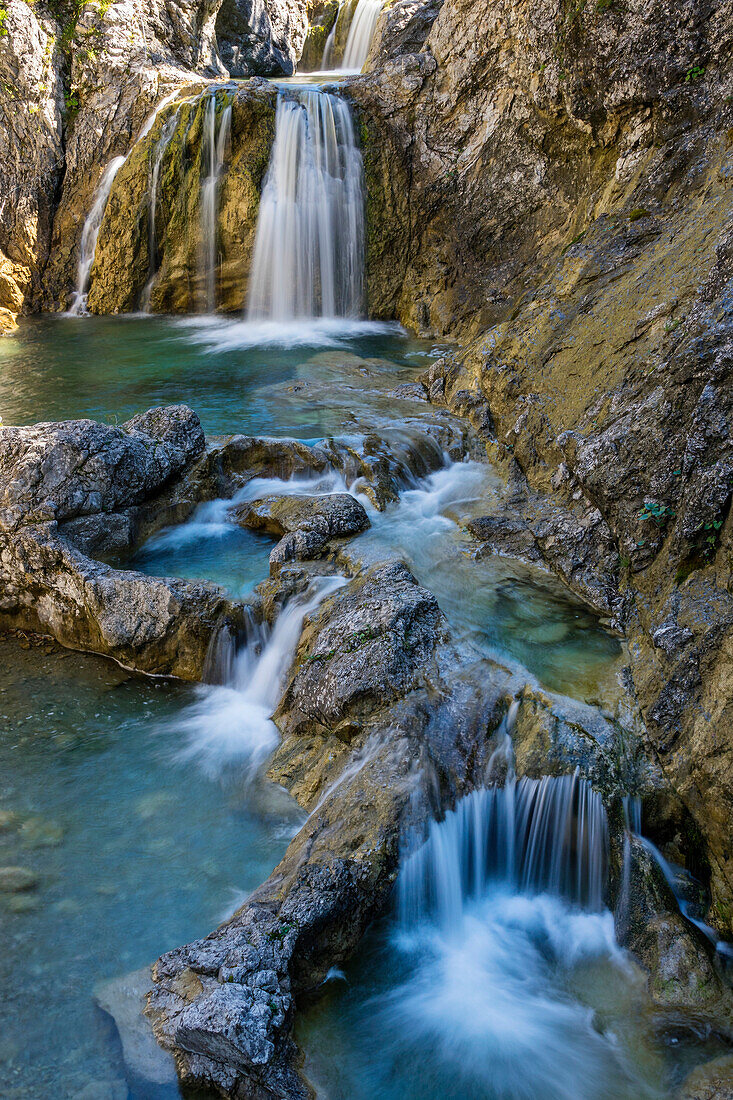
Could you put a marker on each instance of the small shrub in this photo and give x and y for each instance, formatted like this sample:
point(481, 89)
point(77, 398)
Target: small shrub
point(694, 73)
point(3, 22)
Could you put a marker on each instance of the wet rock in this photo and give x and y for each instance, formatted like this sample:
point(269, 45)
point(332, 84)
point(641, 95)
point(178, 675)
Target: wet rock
point(14, 880)
point(306, 524)
point(368, 646)
point(678, 957)
point(224, 1004)
point(711, 1081)
point(146, 1065)
point(504, 534)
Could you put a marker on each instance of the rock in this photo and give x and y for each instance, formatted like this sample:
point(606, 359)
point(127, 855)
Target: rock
point(711, 1081)
point(224, 1004)
point(81, 472)
point(14, 880)
point(123, 264)
point(79, 467)
point(306, 523)
point(8, 820)
point(147, 1065)
point(31, 152)
point(8, 321)
point(369, 645)
point(38, 832)
point(677, 956)
point(266, 39)
point(402, 29)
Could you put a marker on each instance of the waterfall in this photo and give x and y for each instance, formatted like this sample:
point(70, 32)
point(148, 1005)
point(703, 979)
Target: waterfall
point(89, 235)
point(361, 32)
point(544, 835)
point(95, 217)
point(359, 39)
point(308, 258)
point(159, 152)
point(215, 142)
point(231, 722)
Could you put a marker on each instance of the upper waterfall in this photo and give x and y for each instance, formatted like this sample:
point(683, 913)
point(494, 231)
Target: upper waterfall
point(361, 32)
point(309, 248)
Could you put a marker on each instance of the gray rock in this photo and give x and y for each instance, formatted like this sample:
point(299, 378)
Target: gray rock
point(79, 467)
point(307, 524)
point(123, 999)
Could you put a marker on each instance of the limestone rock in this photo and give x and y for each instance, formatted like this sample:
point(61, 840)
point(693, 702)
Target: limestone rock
point(31, 152)
point(676, 954)
point(305, 524)
point(711, 1081)
point(79, 467)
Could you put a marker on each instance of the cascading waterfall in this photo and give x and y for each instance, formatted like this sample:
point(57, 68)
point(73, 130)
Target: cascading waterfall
point(361, 33)
point(89, 235)
point(159, 152)
point(308, 258)
point(216, 139)
point(95, 217)
point(231, 721)
point(544, 835)
point(358, 42)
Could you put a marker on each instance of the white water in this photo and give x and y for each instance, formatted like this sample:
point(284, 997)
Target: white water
point(89, 235)
point(231, 723)
point(499, 910)
point(95, 217)
point(216, 139)
point(358, 41)
point(161, 147)
point(308, 258)
point(361, 33)
point(533, 836)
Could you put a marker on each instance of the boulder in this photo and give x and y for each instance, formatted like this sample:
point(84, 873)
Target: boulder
point(305, 524)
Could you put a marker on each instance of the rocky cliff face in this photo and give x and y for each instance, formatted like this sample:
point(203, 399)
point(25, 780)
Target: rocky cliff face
point(563, 200)
point(31, 151)
point(79, 81)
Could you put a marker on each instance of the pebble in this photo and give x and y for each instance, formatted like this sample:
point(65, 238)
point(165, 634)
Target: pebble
point(15, 879)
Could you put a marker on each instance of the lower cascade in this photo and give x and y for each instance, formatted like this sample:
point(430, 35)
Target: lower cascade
point(309, 249)
point(544, 835)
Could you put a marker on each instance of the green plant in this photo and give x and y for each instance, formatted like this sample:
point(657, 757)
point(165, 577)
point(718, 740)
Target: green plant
point(640, 212)
point(694, 73)
point(656, 512)
point(3, 20)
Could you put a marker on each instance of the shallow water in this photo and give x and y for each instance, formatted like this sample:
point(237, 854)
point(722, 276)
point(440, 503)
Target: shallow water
point(110, 368)
point(136, 801)
point(136, 851)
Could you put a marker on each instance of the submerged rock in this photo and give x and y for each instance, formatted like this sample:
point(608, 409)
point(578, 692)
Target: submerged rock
point(14, 880)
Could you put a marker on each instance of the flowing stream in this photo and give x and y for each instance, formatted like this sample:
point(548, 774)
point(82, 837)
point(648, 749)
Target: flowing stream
point(140, 807)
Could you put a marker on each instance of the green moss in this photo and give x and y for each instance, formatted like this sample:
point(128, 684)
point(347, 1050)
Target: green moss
point(639, 212)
